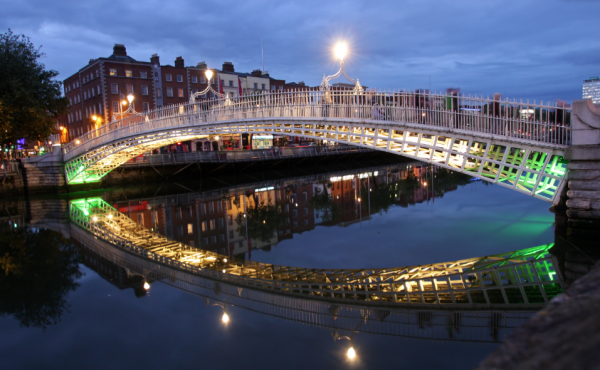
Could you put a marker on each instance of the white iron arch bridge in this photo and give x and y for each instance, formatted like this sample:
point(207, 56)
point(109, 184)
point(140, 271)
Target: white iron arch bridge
point(515, 144)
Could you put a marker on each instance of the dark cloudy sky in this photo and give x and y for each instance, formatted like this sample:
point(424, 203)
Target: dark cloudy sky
point(537, 49)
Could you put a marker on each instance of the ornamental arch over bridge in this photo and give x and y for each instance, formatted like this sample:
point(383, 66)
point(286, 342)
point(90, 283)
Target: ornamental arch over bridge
point(520, 147)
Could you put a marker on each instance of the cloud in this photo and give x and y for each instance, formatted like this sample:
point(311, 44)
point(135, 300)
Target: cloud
point(517, 48)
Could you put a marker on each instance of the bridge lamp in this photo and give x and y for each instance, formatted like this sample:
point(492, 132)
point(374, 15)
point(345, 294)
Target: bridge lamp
point(109, 217)
point(208, 75)
point(225, 318)
point(424, 183)
point(123, 102)
point(224, 260)
point(76, 142)
point(95, 218)
point(358, 200)
point(146, 285)
point(130, 98)
point(62, 128)
point(340, 50)
point(351, 353)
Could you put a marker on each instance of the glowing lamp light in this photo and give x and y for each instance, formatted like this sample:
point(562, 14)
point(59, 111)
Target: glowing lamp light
point(124, 102)
point(130, 98)
point(351, 353)
point(208, 74)
point(76, 142)
point(109, 217)
point(217, 137)
point(95, 218)
point(62, 128)
point(358, 200)
point(425, 183)
point(225, 318)
point(264, 222)
point(340, 50)
point(225, 260)
point(95, 118)
point(179, 143)
point(223, 270)
point(146, 285)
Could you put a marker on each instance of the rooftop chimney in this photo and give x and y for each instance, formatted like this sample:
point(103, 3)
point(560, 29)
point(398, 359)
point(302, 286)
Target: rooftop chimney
point(301, 83)
point(256, 73)
point(228, 67)
point(202, 65)
point(154, 59)
point(119, 50)
point(179, 62)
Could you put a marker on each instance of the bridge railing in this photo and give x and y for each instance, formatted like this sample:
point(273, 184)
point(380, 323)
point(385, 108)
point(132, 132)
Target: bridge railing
point(542, 123)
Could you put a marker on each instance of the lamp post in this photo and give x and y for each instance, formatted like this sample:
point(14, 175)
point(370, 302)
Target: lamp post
point(340, 51)
point(130, 108)
point(209, 75)
point(97, 120)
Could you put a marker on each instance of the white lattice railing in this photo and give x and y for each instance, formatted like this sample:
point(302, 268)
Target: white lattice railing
point(538, 123)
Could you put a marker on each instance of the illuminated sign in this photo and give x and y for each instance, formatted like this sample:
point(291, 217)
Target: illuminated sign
point(264, 189)
point(262, 137)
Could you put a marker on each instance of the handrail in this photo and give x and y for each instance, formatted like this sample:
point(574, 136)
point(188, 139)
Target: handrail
point(543, 123)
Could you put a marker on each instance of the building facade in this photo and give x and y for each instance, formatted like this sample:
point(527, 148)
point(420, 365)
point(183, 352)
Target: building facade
point(591, 89)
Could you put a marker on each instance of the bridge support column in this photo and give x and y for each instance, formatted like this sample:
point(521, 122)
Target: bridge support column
point(45, 173)
point(578, 214)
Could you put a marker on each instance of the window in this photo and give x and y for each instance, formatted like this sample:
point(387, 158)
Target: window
point(85, 95)
point(168, 77)
point(294, 212)
point(264, 87)
point(230, 219)
point(213, 81)
point(305, 222)
point(204, 241)
point(213, 239)
point(221, 240)
point(203, 209)
point(129, 89)
point(144, 89)
point(144, 74)
point(230, 234)
point(179, 78)
point(211, 207)
point(280, 88)
point(219, 206)
point(190, 229)
point(188, 211)
point(194, 79)
point(115, 105)
point(221, 223)
point(180, 230)
point(204, 226)
point(159, 93)
point(287, 207)
point(305, 211)
point(114, 88)
point(255, 86)
point(113, 72)
point(304, 196)
point(169, 92)
point(202, 80)
point(212, 224)
point(230, 83)
point(98, 89)
point(93, 92)
point(272, 87)
point(191, 243)
point(140, 218)
point(229, 203)
point(280, 232)
point(100, 108)
point(128, 73)
point(178, 213)
point(180, 93)
point(97, 73)
point(295, 224)
point(145, 107)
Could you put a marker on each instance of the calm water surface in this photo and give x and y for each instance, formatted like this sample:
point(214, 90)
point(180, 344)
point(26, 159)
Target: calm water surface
point(108, 320)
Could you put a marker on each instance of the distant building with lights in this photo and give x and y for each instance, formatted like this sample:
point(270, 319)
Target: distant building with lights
point(591, 89)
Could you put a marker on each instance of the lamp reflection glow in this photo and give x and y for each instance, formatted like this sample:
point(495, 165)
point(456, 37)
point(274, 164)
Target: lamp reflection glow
point(130, 98)
point(351, 353)
point(225, 318)
point(146, 285)
point(208, 75)
point(340, 50)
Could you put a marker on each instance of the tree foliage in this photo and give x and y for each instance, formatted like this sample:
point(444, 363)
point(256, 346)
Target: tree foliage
point(37, 271)
point(262, 220)
point(30, 97)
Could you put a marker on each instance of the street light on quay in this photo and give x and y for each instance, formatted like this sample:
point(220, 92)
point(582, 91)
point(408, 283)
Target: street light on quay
point(340, 50)
point(209, 74)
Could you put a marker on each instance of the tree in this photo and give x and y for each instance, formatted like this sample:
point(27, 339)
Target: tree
point(37, 272)
point(30, 97)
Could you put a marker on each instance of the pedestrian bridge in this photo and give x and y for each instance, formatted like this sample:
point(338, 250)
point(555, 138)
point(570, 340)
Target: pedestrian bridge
point(521, 279)
point(515, 144)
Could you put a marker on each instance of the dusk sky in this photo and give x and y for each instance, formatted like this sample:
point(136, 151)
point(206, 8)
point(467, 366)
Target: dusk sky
point(530, 49)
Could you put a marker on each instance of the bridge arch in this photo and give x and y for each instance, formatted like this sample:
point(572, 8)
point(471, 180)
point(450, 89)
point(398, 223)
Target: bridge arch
point(508, 149)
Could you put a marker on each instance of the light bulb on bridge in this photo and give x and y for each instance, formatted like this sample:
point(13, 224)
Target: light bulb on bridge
point(124, 102)
point(146, 285)
point(130, 98)
point(351, 353)
point(208, 75)
point(95, 118)
point(225, 318)
point(340, 50)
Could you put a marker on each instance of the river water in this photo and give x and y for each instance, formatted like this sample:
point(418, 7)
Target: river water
point(67, 305)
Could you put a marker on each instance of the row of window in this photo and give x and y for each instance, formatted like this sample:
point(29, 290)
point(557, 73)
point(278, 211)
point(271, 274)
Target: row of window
point(90, 93)
point(128, 73)
point(114, 89)
point(116, 108)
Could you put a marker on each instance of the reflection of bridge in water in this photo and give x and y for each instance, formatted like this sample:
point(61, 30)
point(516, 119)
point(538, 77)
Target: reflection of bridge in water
point(344, 319)
point(526, 278)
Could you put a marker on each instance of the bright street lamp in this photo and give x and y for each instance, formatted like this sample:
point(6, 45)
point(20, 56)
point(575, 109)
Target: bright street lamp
point(130, 98)
point(209, 74)
point(340, 50)
point(351, 353)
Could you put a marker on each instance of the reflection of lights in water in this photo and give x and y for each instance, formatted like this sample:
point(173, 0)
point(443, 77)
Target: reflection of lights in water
point(109, 217)
point(264, 221)
point(225, 318)
point(95, 219)
point(223, 270)
point(146, 285)
point(225, 260)
point(211, 258)
point(351, 353)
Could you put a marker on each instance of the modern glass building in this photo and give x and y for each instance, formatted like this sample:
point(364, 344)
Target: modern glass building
point(591, 89)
